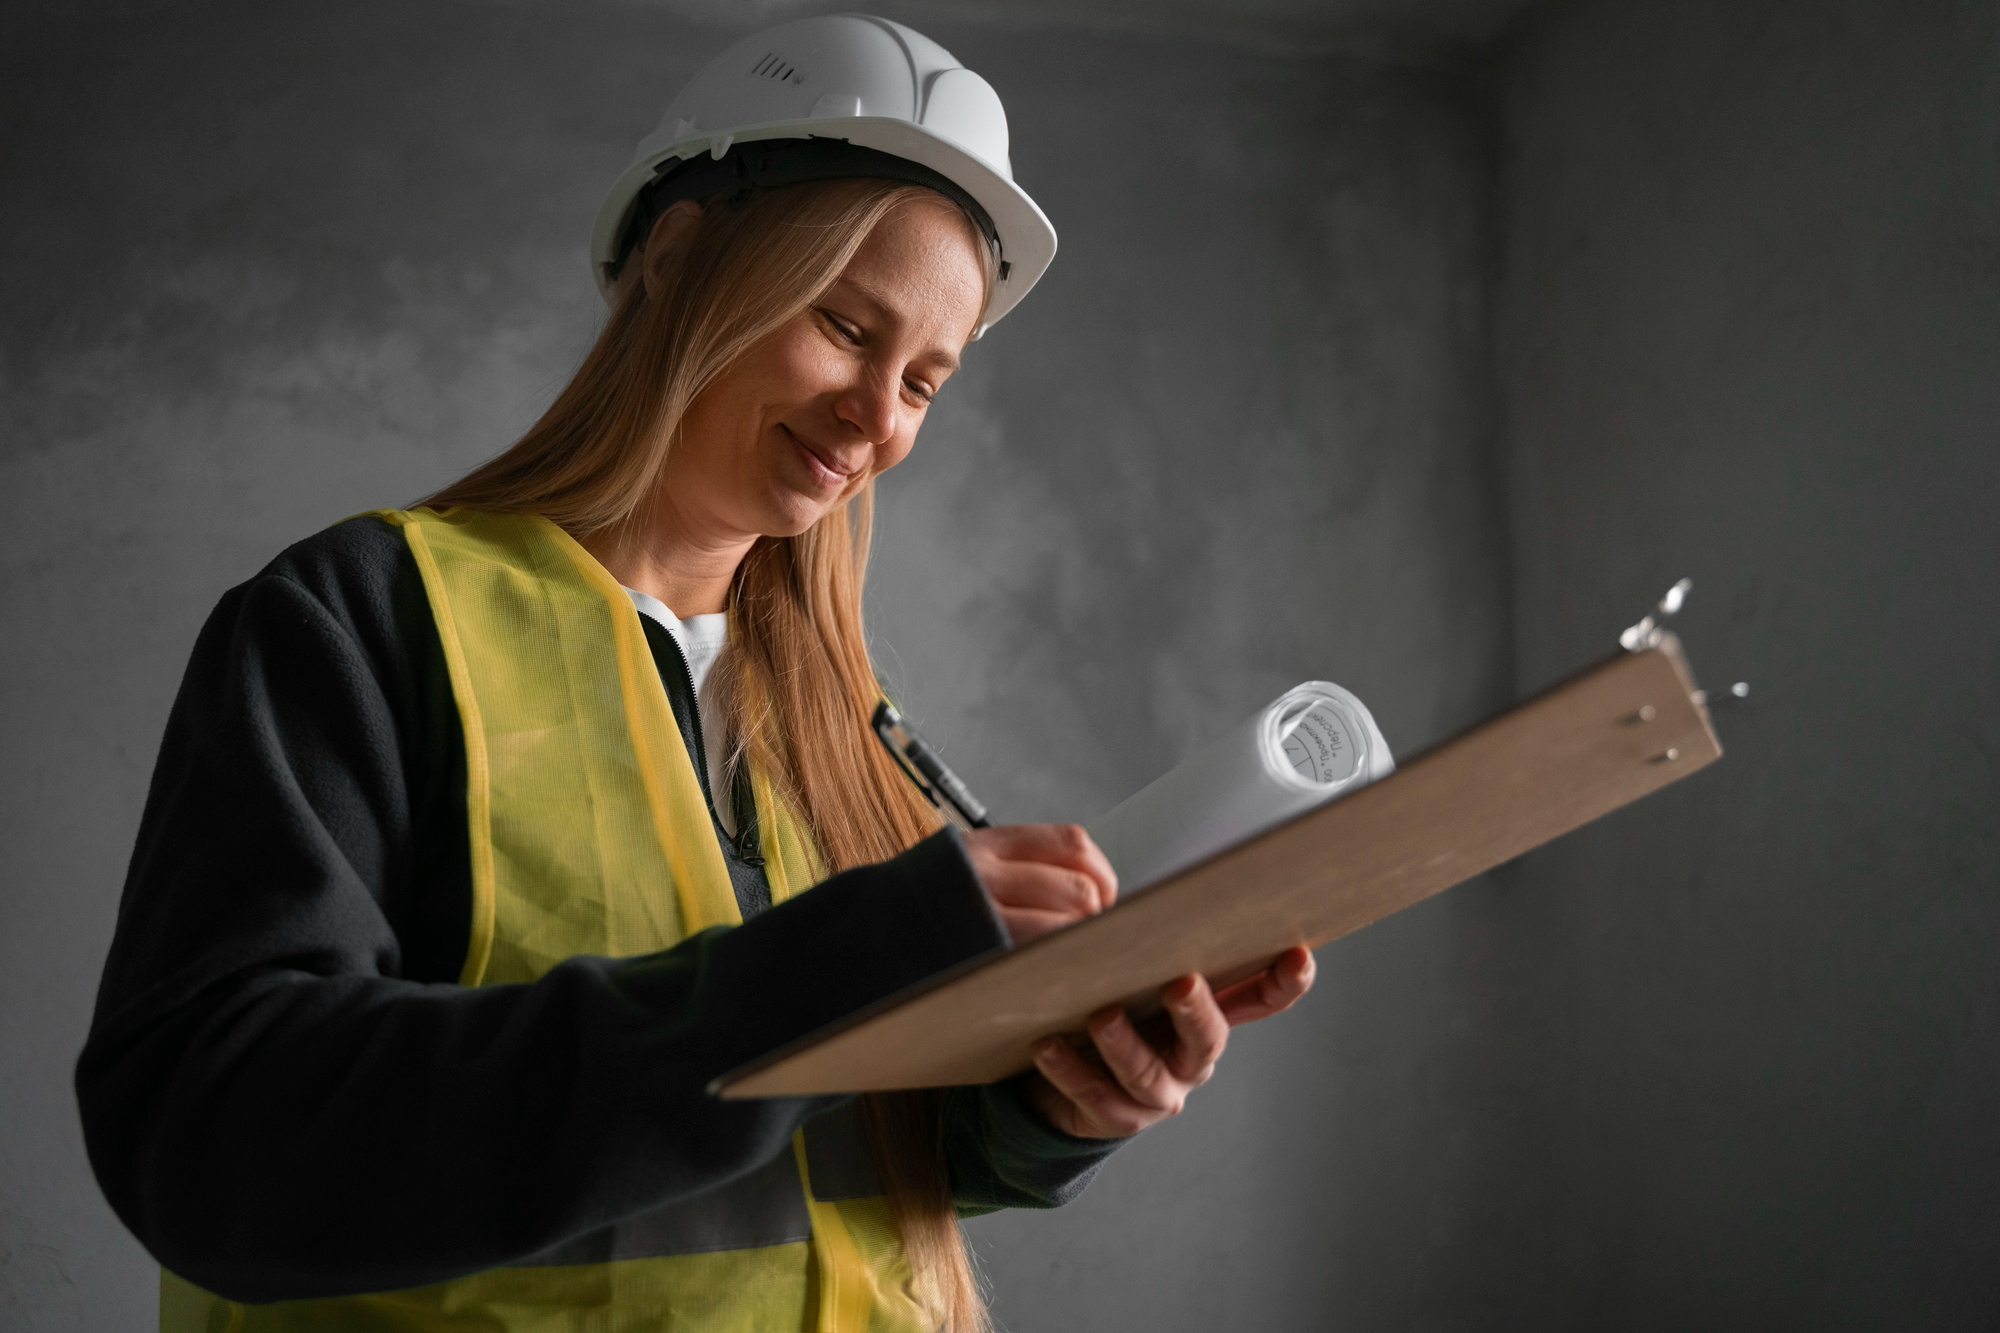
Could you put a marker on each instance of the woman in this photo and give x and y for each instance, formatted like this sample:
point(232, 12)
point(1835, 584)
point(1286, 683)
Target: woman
point(480, 833)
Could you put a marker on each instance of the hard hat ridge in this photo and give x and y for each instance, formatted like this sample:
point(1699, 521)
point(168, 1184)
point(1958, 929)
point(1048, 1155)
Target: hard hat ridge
point(850, 95)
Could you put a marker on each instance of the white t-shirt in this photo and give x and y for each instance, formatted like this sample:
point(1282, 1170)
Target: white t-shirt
point(700, 639)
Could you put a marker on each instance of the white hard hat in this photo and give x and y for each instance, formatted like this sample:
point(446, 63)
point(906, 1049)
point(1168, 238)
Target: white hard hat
point(850, 95)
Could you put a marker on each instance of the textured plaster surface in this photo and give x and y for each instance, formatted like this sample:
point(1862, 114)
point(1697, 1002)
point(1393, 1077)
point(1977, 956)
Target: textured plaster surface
point(1238, 442)
point(270, 266)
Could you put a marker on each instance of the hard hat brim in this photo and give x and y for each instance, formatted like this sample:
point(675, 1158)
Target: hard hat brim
point(1027, 239)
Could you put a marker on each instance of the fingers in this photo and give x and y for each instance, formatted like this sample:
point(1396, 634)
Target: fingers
point(1161, 1078)
point(1140, 1084)
point(1137, 1084)
point(1064, 846)
point(1272, 991)
point(1200, 1030)
point(1023, 926)
point(1035, 899)
point(1136, 1066)
point(1098, 1107)
point(1041, 876)
point(1034, 886)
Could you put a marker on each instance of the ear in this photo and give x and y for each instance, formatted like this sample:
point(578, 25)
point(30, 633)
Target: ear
point(672, 231)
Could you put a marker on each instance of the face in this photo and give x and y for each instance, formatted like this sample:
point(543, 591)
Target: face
point(834, 397)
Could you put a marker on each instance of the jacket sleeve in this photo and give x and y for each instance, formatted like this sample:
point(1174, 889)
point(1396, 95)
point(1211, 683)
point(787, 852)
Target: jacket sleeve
point(278, 1110)
point(1002, 1154)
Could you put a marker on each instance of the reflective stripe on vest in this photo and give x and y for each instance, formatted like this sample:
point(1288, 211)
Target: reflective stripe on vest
point(590, 835)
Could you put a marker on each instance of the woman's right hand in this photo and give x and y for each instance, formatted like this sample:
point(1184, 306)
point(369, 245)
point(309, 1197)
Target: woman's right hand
point(1041, 877)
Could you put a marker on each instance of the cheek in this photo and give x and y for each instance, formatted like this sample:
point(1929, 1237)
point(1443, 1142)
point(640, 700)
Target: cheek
point(717, 419)
point(796, 365)
point(894, 451)
point(728, 423)
point(789, 367)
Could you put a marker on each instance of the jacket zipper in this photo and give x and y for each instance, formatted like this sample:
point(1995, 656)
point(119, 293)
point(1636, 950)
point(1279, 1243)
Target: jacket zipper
point(744, 838)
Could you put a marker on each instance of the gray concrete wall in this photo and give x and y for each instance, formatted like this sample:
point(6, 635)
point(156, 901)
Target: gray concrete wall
point(270, 265)
point(1750, 333)
point(1238, 441)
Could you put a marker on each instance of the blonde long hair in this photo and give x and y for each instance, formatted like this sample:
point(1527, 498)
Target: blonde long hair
point(795, 682)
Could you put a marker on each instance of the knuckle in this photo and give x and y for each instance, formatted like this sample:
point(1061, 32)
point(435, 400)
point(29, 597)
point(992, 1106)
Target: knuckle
point(1139, 1054)
point(1069, 1084)
point(999, 839)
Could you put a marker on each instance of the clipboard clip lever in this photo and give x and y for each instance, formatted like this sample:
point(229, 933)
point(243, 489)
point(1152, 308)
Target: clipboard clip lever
point(1647, 634)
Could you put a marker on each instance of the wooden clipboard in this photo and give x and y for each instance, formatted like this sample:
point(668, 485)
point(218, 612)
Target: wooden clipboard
point(1620, 730)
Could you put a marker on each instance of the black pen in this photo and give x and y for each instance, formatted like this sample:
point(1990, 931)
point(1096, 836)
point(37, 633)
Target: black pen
point(940, 786)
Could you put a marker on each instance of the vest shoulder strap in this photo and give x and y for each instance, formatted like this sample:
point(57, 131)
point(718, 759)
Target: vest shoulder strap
point(588, 829)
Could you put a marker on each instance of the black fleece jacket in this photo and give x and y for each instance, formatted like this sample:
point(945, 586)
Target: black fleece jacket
point(285, 1093)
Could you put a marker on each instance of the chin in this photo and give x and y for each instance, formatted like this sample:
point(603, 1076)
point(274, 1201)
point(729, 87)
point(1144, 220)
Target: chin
point(795, 514)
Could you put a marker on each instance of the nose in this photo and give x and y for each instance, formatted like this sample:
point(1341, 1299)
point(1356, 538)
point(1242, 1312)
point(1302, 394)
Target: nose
point(871, 403)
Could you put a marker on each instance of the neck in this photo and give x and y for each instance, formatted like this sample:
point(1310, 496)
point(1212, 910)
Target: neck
point(676, 561)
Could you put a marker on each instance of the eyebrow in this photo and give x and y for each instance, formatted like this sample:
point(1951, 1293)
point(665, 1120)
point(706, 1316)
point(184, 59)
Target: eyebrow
point(887, 314)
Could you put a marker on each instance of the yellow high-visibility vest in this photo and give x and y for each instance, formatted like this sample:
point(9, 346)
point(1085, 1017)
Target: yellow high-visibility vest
point(589, 835)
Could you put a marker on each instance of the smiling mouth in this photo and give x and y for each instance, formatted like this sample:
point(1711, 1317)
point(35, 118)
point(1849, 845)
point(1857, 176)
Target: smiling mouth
point(826, 471)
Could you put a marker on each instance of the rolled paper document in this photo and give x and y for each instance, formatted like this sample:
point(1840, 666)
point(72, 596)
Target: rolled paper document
point(1311, 744)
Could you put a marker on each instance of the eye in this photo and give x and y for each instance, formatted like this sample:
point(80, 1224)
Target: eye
point(845, 331)
point(920, 391)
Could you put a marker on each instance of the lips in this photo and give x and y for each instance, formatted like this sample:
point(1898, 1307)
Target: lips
point(827, 466)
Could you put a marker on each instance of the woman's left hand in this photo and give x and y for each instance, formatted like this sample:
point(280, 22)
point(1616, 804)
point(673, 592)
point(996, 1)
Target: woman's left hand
point(1140, 1077)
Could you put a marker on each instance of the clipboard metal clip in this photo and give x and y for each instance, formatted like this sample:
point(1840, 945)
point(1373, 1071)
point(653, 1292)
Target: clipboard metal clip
point(1648, 632)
